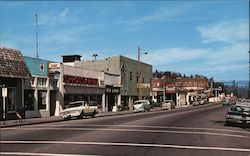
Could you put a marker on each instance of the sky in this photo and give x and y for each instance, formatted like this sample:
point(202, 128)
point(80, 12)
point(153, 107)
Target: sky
point(204, 37)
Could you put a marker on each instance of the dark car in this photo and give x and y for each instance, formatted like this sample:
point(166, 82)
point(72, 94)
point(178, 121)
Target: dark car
point(155, 104)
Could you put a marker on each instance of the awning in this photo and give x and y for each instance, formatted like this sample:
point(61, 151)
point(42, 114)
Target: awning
point(12, 64)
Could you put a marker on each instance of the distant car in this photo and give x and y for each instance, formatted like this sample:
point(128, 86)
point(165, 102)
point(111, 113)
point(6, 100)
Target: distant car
point(155, 104)
point(196, 103)
point(79, 109)
point(168, 104)
point(238, 114)
point(141, 106)
point(202, 102)
point(225, 102)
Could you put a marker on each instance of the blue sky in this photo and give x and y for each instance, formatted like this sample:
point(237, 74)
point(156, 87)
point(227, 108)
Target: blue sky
point(209, 38)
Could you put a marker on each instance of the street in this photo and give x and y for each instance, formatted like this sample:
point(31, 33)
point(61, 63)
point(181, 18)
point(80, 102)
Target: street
point(186, 131)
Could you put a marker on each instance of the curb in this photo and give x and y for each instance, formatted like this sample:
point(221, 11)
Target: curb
point(59, 120)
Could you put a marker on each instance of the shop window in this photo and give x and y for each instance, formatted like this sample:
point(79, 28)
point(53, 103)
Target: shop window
point(11, 99)
point(41, 82)
point(42, 99)
point(130, 76)
point(29, 99)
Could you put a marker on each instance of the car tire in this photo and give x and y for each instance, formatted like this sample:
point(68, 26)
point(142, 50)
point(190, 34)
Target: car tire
point(94, 113)
point(81, 115)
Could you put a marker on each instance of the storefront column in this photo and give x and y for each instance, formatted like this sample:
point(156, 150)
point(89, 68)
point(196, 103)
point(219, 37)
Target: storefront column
point(60, 93)
point(130, 102)
point(36, 99)
point(48, 100)
point(22, 81)
point(103, 103)
point(119, 100)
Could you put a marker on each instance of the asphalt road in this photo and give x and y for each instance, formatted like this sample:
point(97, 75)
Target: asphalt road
point(191, 131)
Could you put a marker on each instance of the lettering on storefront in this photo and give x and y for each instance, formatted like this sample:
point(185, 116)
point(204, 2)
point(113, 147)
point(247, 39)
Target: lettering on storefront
point(113, 90)
point(80, 80)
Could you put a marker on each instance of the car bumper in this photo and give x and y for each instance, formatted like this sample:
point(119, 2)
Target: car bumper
point(70, 115)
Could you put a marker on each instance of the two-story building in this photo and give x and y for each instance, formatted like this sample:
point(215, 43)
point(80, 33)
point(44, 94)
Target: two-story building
point(127, 69)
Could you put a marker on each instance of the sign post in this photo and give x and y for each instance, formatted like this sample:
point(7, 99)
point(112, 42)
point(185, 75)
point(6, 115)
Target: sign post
point(4, 95)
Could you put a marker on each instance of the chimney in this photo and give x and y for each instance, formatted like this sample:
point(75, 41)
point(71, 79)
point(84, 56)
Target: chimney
point(71, 58)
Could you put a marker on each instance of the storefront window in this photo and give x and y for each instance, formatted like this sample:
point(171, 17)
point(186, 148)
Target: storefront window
point(29, 99)
point(42, 99)
point(11, 99)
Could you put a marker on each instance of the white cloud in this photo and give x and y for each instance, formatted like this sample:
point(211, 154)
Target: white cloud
point(164, 13)
point(228, 32)
point(57, 18)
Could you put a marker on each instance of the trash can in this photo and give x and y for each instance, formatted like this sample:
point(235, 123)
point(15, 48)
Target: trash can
point(20, 113)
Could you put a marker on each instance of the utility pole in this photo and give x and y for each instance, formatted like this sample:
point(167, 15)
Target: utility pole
point(36, 38)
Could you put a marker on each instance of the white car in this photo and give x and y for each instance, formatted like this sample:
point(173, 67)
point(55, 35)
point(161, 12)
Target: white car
point(79, 109)
point(168, 104)
point(141, 106)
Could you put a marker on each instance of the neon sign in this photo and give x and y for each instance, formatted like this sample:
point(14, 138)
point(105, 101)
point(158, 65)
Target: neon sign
point(79, 80)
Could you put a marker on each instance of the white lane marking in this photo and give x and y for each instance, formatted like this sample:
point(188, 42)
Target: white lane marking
point(134, 130)
point(142, 126)
point(40, 154)
point(130, 144)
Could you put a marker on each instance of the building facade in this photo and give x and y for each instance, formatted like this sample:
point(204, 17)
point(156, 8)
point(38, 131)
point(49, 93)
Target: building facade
point(13, 74)
point(77, 84)
point(39, 93)
point(183, 90)
point(127, 69)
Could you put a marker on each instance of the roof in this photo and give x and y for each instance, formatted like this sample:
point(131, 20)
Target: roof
point(12, 64)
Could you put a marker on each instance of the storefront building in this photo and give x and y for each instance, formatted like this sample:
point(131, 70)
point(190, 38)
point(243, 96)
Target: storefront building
point(39, 93)
point(127, 69)
point(13, 74)
point(77, 84)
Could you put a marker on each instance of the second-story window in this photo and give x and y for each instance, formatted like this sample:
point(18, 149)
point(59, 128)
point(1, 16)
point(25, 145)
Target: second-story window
point(41, 82)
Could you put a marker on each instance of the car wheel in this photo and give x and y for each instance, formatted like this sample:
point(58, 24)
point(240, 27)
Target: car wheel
point(94, 113)
point(81, 115)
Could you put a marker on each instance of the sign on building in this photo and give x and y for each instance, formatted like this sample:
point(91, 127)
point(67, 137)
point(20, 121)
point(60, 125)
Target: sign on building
point(4, 92)
point(143, 85)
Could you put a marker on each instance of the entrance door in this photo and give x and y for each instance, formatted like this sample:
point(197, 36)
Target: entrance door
point(52, 102)
point(111, 101)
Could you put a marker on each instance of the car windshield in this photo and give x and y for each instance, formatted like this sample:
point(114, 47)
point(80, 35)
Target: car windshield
point(77, 104)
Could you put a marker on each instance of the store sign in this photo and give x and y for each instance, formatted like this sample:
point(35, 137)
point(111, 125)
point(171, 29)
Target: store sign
point(4, 92)
point(112, 90)
point(54, 67)
point(170, 89)
point(143, 85)
point(79, 80)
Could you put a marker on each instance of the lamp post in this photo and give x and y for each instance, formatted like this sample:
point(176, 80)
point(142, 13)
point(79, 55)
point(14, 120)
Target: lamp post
point(139, 71)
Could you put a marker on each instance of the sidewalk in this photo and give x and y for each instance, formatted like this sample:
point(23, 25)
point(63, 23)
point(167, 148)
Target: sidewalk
point(31, 121)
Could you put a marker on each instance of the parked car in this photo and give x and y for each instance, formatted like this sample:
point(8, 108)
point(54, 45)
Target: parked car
point(238, 114)
point(196, 103)
point(79, 109)
point(202, 102)
point(168, 104)
point(155, 104)
point(225, 102)
point(141, 106)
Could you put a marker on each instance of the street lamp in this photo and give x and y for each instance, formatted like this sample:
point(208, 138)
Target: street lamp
point(139, 71)
point(95, 55)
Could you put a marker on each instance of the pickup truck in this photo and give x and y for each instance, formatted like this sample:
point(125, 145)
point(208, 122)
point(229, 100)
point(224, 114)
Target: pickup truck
point(79, 109)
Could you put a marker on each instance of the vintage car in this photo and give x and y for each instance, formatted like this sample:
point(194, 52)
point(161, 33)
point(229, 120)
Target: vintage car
point(196, 103)
point(141, 106)
point(79, 109)
point(238, 114)
point(168, 104)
